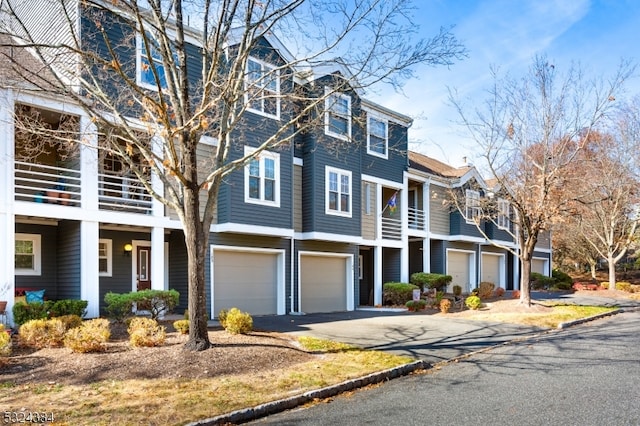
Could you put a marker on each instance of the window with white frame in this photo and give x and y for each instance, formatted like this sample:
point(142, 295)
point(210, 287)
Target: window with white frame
point(147, 63)
point(338, 198)
point(377, 136)
point(472, 206)
point(337, 118)
point(262, 178)
point(104, 257)
point(503, 214)
point(262, 88)
point(28, 259)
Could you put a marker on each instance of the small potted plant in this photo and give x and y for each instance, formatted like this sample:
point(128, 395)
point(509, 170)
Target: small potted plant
point(415, 305)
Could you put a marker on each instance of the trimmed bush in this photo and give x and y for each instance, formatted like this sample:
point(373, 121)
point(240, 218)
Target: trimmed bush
point(541, 282)
point(91, 336)
point(145, 332)
point(416, 305)
point(42, 333)
point(604, 285)
point(562, 279)
point(499, 292)
point(5, 341)
point(24, 312)
point(70, 321)
point(473, 302)
point(485, 290)
point(64, 307)
point(437, 281)
point(159, 302)
point(181, 326)
point(623, 286)
point(394, 293)
point(516, 294)
point(236, 322)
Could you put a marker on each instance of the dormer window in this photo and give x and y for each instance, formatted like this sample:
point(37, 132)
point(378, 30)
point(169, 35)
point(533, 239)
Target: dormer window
point(337, 118)
point(377, 136)
point(262, 88)
point(503, 214)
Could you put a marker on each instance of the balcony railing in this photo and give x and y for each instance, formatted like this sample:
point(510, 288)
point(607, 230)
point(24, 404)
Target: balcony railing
point(391, 228)
point(42, 183)
point(416, 218)
point(123, 193)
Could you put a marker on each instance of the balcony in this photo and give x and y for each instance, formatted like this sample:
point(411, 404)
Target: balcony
point(41, 183)
point(123, 193)
point(391, 228)
point(416, 218)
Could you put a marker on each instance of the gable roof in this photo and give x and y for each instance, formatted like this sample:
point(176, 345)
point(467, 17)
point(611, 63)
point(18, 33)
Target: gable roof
point(432, 166)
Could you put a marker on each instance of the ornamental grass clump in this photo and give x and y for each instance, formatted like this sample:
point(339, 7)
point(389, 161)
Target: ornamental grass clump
point(235, 321)
point(445, 305)
point(146, 332)
point(90, 336)
point(181, 326)
point(42, 333)
point(485, 290)
point(5, 342)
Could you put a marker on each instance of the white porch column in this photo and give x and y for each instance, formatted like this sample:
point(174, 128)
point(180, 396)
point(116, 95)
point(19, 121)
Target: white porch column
point(404, 209)
point(89, 166)
point(7, 218)
point(89, 270)
point(377, 275)
point(426, 255)
point(426, 243)
point(157, 259)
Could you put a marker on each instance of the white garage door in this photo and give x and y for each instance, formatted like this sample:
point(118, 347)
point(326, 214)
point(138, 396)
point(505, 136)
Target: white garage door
point(491, 269)
point(245, 280)
point(458, 268)
point(323, 284)
point(539, 266)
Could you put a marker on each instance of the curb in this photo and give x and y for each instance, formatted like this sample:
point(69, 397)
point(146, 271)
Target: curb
point(263, 410)
point(568, 324)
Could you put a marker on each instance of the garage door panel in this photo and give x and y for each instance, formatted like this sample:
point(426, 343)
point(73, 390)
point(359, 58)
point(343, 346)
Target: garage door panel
point(245, 280)
point(458, 268)
point(538, 265)
point(323, 284)
point(491, 269)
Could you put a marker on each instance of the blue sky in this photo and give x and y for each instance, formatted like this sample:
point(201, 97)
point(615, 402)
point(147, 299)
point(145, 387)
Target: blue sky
point(508, 34)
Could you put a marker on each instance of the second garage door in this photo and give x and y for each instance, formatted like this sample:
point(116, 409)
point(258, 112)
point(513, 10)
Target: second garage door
point(323, 284)
point(458, 268)
point(245, 280)
point(491, 269)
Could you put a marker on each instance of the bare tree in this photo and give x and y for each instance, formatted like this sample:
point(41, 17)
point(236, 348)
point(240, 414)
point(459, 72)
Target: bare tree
point(607, 205)
point(196, 56)
point(529, 132)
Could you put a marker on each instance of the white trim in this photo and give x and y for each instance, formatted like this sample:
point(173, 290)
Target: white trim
point(36, 240)
point(472, 206)
point(326, 236)
point(297, 161)
point(280, 273)
point(328, 109)
point(383, 182)
point(139, 49)
point(109, 257)
point(503, 219)
point(340, 174)
point(241, 228)
point(261, 176)
point(350, 289)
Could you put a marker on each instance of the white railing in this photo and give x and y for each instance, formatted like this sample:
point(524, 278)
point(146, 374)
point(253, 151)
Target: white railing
point(41, 183)
point(123, 193)
point(391, 228)
point(416, 218)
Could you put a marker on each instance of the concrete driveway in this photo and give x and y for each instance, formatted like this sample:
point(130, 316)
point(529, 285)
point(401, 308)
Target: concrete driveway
point(424, 337)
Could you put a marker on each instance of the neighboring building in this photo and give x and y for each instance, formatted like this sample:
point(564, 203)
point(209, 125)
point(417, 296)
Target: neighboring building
point(299, 230)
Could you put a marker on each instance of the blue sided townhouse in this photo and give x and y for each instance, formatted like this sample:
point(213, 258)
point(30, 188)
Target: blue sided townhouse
point(307, 228)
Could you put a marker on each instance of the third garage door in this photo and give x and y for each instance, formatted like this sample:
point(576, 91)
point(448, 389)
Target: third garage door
point(323, 284)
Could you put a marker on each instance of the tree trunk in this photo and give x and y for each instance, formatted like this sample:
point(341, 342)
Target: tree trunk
point(525, 278)
point(592, 266)
point(612, 272)
point(196, 239)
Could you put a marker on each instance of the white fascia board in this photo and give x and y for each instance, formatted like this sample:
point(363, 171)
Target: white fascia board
point(326, 236)
point(383, 182)
point(241, 228)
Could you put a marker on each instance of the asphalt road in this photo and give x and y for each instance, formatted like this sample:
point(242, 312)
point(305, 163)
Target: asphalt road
point(585, 375)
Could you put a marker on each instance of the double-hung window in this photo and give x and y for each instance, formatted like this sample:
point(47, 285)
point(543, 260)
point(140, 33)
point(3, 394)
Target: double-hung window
point(104, 257)
point(472, 206)
point(377, 136)
point(503, 214)
point(27, 254)
point(147, 62)
point(338, 195)
point(262, 178)
point(263, 88)
point(337, 119)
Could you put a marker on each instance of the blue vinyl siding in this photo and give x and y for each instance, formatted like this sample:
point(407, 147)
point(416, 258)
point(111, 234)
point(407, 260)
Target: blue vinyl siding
point(48, 278)
point(459, 226)
point(390, 264)
point(69, 260)
point(438, 257)
point(178, 272)
point(394, 166)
